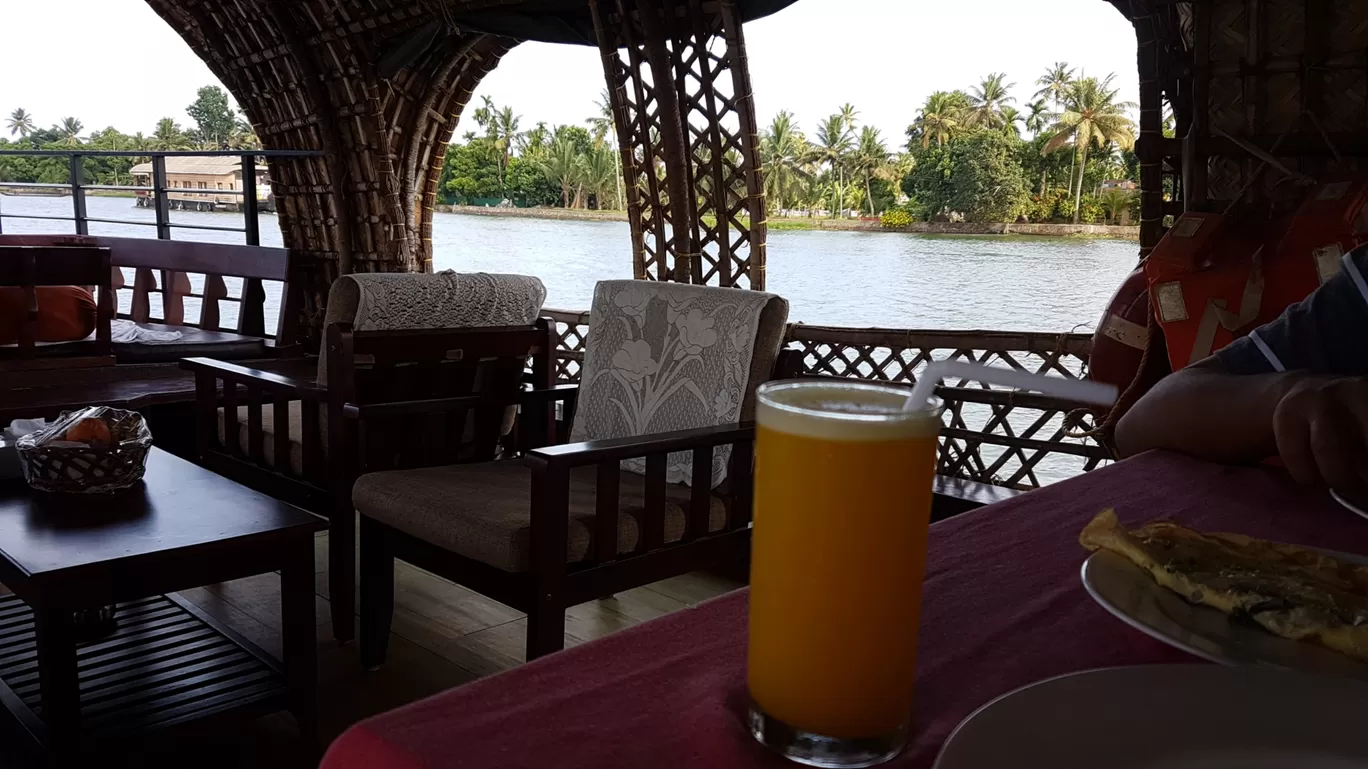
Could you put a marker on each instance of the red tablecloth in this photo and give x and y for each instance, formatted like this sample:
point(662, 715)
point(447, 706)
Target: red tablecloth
point(1003, 608)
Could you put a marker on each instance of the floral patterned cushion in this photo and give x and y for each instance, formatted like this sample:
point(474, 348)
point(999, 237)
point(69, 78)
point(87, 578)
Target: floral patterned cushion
point(669, 356)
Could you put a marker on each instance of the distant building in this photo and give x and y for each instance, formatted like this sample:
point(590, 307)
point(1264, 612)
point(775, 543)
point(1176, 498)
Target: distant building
point(196, 183)
point(1120, 184)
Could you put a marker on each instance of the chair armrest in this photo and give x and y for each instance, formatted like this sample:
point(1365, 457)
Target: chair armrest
point(269, 381)
point(616, 449)
point(567, 393)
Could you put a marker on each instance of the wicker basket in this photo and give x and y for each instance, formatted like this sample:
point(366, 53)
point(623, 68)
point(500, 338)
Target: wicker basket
point(53, 464)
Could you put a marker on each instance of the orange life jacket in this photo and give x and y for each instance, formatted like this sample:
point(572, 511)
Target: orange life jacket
point(1213, 280)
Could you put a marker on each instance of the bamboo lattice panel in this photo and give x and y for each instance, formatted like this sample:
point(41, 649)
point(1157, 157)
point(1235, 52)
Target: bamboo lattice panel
point(990, 435)
point(682, 105)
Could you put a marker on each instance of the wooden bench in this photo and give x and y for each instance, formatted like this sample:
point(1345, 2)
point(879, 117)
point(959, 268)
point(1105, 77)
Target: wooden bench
point(24, 271)
point(170, 269)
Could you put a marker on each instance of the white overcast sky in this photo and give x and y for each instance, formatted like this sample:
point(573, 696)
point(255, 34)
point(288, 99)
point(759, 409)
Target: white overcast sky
point(884, 56)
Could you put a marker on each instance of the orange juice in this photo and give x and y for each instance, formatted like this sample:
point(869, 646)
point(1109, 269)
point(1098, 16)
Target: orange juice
point(842, 510)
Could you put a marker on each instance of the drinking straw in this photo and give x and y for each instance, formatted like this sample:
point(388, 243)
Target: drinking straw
point(1078, 390)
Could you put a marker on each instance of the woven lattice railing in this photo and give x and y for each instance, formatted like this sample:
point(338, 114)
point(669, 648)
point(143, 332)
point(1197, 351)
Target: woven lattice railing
point(991, 435)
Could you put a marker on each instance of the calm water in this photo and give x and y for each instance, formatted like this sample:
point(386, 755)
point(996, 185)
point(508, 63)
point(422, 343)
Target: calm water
point(835, 278)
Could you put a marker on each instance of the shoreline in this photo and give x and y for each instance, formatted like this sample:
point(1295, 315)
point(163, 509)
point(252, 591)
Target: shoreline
point(839, 225)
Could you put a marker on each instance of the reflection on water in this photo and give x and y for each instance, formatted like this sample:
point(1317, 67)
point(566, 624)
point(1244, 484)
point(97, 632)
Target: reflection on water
point(836, 278)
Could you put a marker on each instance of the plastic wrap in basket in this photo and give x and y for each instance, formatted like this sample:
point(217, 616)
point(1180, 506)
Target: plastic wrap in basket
point(92, 450)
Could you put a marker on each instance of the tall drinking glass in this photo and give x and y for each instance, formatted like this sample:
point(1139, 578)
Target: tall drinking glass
point(842, 509)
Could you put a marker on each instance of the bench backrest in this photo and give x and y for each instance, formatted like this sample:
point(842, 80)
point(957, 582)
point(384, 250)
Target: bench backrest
point(27, 268)
point(176, 269)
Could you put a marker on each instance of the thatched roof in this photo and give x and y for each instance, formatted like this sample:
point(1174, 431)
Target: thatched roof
point(555, 21)
point(210, 166)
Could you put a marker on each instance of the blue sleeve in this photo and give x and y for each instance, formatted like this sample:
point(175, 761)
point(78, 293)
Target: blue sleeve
point(1327, 333)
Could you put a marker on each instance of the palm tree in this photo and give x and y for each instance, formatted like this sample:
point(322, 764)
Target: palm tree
point(834, 143)
point(533, 142)
point(1055, 83)
point(987, 100)
point(1010, 116)
point(564, 167)
point(1037, 116)
point(784, 154)
point(599, 170)
point(504, 126)
point(1113, 202)
point(70, 129)
point(602, 125)
point(941, 117)
point(871, 156)
point(169, 136)
point(1092, 115)
point(20, 122)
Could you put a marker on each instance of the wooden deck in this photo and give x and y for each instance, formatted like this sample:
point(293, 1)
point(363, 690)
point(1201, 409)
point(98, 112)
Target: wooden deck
point(444, 636)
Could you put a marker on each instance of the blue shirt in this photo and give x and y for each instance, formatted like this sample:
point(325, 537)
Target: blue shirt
point(1327, 333)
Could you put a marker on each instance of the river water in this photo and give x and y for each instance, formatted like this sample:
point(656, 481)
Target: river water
point(890, 280)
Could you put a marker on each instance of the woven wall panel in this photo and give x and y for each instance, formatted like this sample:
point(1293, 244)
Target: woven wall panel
point(308, 76)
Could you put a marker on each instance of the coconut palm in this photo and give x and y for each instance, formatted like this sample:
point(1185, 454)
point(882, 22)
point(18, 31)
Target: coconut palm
point(599, 171)
point(563, 167)
point(987, 100)
point(70, 129)
point(169, 136)
point(604, 130)
point(1091, 116)
point(835, 141)
point(784, 155)
point(1113, 202)
point(1055, 82)
point(871, 156)
point(1037, 116)
point(1011, 118)
point(20, 122)
point(504, 127)
point(941, 117)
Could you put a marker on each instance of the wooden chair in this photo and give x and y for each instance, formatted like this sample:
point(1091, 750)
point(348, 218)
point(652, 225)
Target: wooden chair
point(168, 270)
point(276, 426)
point(571, 523)
point(28, 268)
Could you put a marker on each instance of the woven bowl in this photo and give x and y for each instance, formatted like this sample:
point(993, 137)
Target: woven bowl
point(51, 464)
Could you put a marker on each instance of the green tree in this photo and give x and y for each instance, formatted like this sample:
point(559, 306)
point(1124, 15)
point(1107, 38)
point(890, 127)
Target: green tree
point(472, 170)
point(1091, 116)
point(604, 130)
point(1037, 116)
point(835, 140)
point(563, 165)
point(1114, 202)
point(169, 136)
point(20, 122)
point(784, 154)
point(987, 100)
point(986, 182)
point(70, 130)
point(1054, 83)
point(871, 157)
point(942, 117)
point(215, 119)
point(1011, 118)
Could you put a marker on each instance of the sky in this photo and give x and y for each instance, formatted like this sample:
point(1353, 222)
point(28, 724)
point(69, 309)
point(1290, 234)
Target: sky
point(883, 56)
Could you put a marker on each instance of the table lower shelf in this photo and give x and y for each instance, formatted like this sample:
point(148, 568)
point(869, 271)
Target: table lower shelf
point(165, 664)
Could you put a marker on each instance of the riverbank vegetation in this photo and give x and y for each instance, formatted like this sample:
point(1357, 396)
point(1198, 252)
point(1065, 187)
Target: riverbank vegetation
point(976, 154)
point(218, 125)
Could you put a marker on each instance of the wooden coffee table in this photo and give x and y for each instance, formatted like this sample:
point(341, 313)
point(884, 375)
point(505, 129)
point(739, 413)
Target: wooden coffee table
point(166, 663)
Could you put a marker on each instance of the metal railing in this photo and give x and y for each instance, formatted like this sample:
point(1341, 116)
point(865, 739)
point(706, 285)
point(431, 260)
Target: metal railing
point(159, 190)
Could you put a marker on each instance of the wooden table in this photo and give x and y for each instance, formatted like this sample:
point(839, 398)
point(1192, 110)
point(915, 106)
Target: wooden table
point(46, 393)
point(166, 662)
point(1003, 607)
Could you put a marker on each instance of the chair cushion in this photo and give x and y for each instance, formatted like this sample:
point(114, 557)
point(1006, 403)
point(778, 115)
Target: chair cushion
point(65, 314)
point(483, 511)
point(194, 342)
point(268, 430)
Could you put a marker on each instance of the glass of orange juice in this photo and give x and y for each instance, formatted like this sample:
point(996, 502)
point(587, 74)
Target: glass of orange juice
point(842, 511)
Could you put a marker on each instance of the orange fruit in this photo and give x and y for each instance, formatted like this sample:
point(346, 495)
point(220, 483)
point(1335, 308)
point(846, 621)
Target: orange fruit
point(90, 431)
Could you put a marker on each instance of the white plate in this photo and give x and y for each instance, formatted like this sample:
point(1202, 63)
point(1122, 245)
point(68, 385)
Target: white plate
point(1126, 591)
point(1169, 717)
point(1347, 505)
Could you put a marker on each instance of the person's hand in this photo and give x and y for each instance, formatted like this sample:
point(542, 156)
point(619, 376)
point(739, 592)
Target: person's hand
point(1321, 427)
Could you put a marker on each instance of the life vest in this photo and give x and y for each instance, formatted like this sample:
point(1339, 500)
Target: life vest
point(1212, 280)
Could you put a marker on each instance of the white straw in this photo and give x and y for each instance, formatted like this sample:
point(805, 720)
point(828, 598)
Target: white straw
point(1078, 390)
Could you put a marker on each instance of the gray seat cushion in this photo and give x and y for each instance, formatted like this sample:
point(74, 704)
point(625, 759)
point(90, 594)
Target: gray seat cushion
point(483, 511)
point(194, 342)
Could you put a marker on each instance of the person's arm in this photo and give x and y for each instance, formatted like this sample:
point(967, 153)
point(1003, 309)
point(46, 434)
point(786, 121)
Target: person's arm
point(1294, 387)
